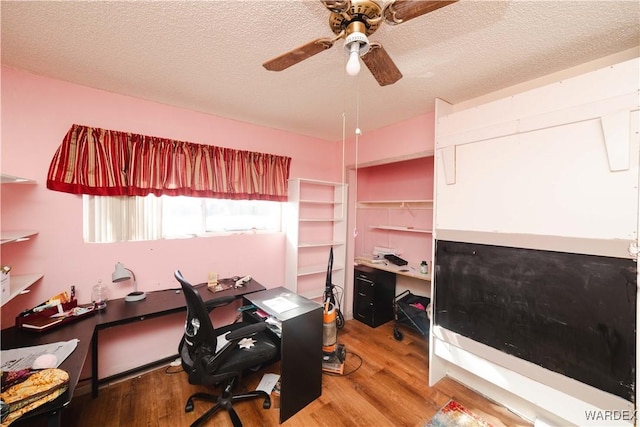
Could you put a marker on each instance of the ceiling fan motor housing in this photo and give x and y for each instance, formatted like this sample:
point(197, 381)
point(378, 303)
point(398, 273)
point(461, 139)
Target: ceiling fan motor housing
point(365, 12)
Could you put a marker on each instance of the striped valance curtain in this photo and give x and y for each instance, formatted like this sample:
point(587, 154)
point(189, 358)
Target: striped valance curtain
point(103, 162)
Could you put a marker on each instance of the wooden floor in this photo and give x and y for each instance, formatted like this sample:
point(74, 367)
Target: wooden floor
point(389, 388)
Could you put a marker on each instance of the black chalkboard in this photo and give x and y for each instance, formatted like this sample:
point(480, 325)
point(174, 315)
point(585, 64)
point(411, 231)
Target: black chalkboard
point(574, 314)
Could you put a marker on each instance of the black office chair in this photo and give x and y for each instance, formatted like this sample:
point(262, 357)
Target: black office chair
point(211, 363)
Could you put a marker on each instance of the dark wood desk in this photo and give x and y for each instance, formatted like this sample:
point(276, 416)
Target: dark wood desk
point(83, 331)
point(156, 304)
point(300, 347)
point(118, 312)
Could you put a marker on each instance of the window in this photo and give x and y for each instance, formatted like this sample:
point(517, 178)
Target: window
point(116, 218)
point(196, 216)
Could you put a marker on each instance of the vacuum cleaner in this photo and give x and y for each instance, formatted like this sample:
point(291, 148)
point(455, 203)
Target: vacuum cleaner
point(333, 354)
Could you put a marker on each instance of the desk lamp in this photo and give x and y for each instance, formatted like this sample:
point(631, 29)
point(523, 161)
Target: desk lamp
point(121, 274)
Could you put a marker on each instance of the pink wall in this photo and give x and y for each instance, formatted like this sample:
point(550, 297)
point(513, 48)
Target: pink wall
point(36, 114)
point(405, 139)
point(406, 180)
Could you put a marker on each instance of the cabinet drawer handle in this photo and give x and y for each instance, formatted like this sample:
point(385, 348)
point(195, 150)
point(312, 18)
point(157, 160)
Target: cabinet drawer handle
point(361, 294)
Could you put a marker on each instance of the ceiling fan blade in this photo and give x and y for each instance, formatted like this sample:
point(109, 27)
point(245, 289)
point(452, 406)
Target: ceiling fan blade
point(401, 11)
point(298, 54)
point(337, 6)
point(381, 65)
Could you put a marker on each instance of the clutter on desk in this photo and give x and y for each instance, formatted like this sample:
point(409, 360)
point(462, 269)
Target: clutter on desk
point(16, 359)
point(424, 267)
point(99, 295)
point(217, 285)
point(56, 311)
point(388, 259)
point(395, 259)
point(371, 259)
point(212, 281)
point(383, 255)
point(25, 390)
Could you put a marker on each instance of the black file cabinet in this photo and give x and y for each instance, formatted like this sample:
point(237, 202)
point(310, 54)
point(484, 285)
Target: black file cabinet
point(374, 291)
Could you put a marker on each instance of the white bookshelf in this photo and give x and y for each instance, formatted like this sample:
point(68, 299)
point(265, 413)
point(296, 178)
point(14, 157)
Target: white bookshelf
point(315, 221)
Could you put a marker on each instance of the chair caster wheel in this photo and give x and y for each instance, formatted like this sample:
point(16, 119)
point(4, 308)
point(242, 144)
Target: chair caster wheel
point(189, 406)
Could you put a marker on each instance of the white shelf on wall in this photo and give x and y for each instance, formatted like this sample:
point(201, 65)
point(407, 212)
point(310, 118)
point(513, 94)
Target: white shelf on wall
point(317, 269)
point(10, 179)
point(410, 205)
point(18, 283)
point(396, 204)
point(318, 244)
point(400, 228)
point(318, 202)
point(16, 236)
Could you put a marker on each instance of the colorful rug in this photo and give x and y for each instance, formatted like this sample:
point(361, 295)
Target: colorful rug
point(454, 414)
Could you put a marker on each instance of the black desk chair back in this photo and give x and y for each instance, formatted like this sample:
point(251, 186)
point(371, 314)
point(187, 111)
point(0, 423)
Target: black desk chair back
point(212, 360)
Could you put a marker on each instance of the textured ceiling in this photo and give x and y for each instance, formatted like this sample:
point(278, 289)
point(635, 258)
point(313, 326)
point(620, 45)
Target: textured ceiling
point(207, 55)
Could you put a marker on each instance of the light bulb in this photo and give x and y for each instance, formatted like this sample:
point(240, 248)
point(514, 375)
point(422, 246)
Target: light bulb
point(353, 64)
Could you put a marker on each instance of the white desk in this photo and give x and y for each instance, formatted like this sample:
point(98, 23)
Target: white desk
point(408, 270)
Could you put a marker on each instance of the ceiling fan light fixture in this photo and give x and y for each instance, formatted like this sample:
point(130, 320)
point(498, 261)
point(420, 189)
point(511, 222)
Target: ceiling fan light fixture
point(356, 44)
point(353, 63)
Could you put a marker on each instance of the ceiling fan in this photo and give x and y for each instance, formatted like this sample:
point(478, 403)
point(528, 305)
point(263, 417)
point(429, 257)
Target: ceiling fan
point(354, 20)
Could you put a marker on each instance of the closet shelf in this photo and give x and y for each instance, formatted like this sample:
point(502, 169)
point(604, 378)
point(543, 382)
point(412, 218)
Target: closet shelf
point(318, 244)
point(321, 202)
point(397, 204)
point(317, 269)
point(400, 228)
